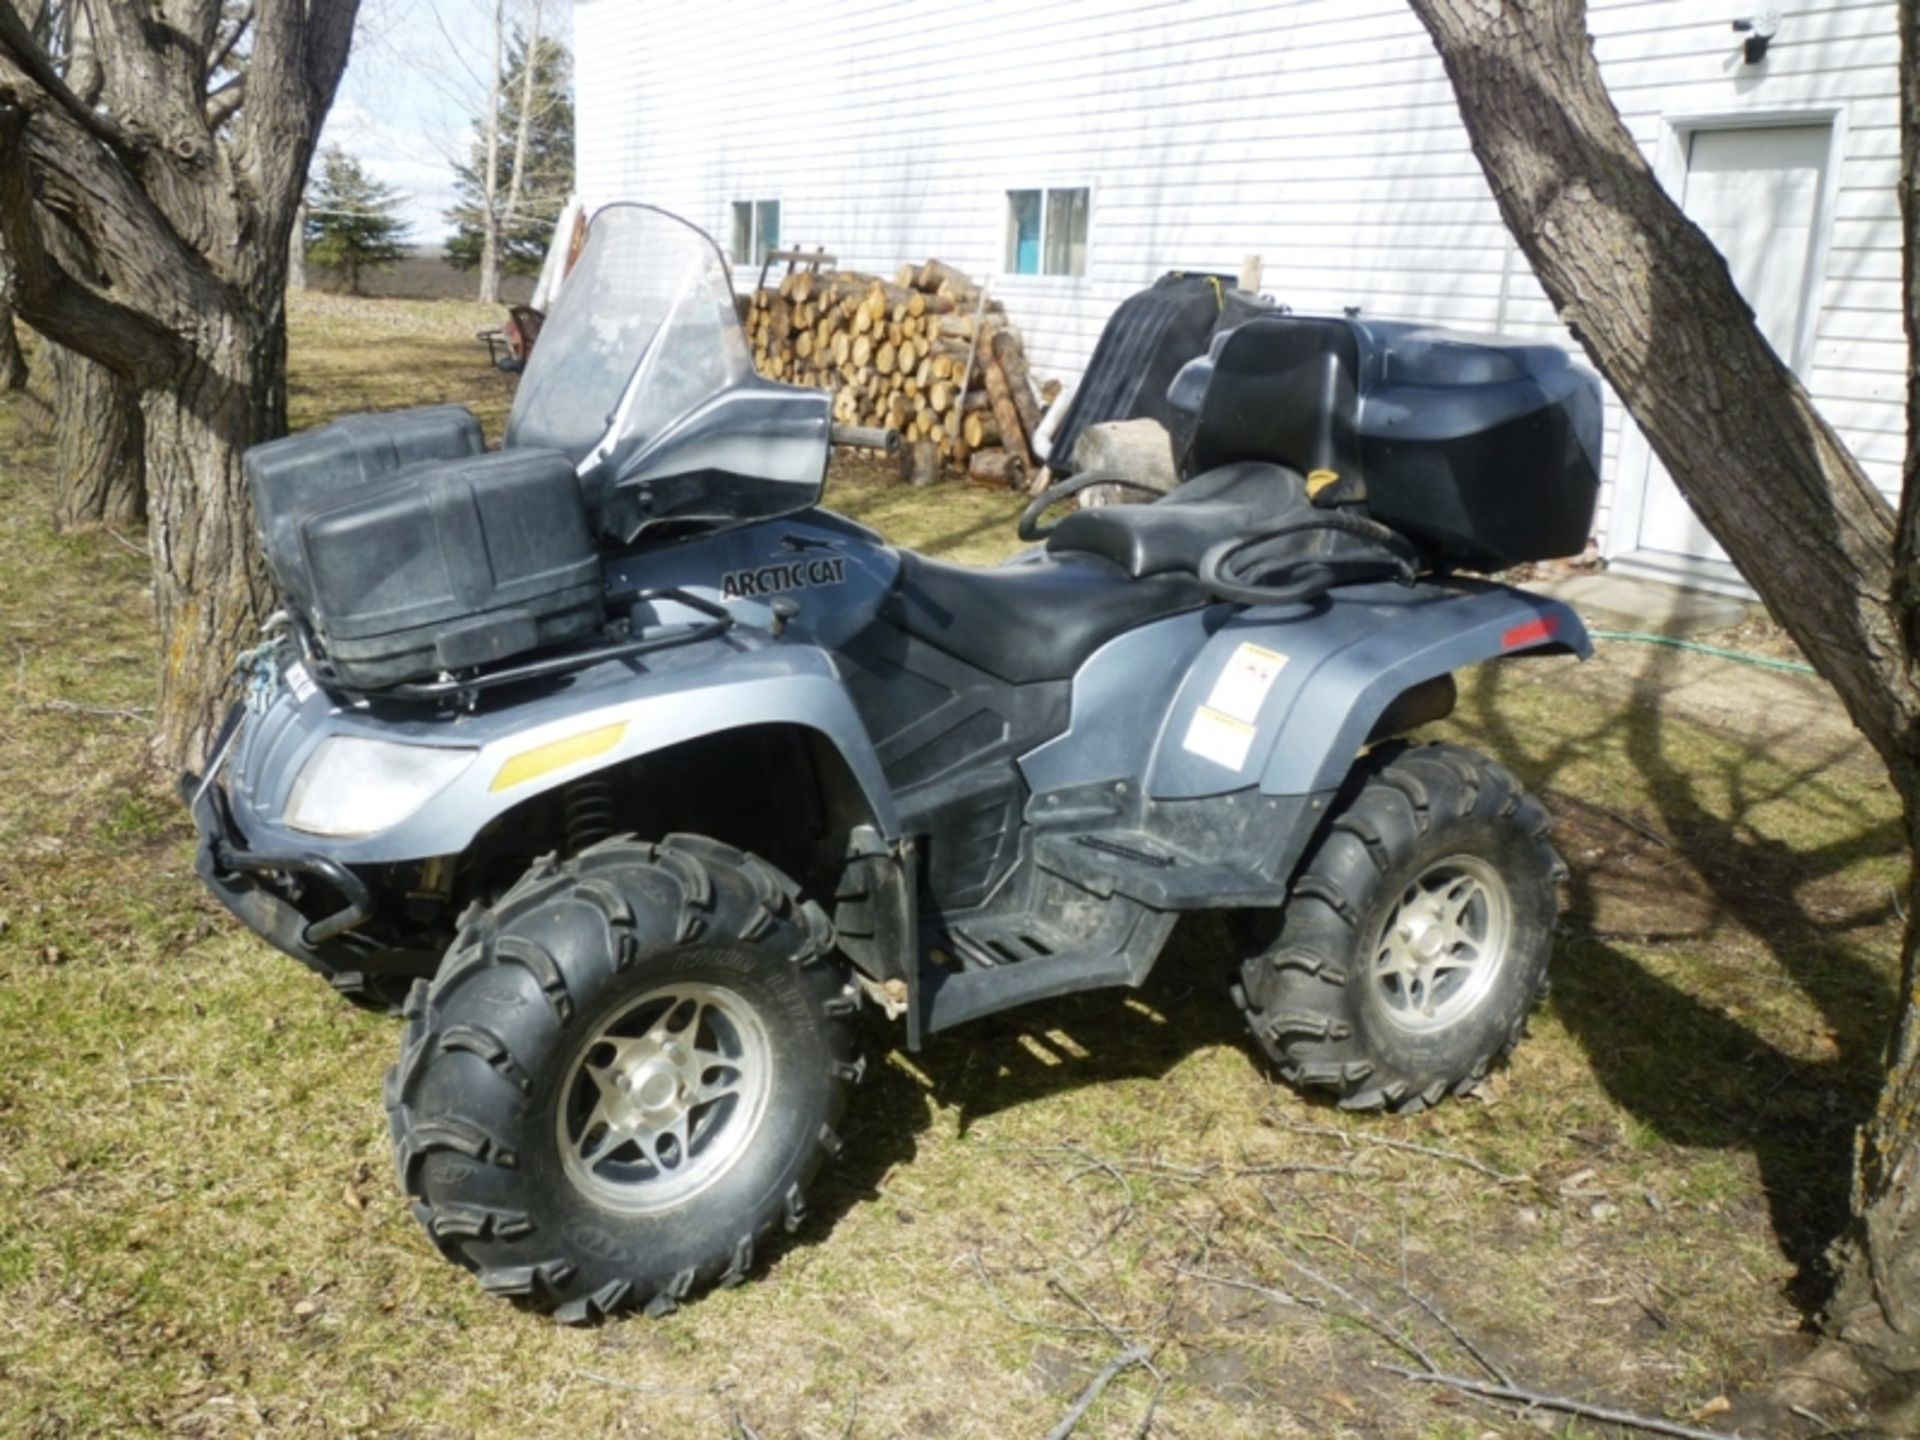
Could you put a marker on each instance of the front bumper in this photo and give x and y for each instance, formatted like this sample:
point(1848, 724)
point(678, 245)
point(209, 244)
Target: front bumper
point(302, 903)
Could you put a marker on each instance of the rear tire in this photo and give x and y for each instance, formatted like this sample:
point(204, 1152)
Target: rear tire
point(624, 1077)
point(1416, 938)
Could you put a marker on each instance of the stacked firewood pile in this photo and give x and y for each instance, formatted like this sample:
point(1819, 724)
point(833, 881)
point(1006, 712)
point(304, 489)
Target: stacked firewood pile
point(925, 353)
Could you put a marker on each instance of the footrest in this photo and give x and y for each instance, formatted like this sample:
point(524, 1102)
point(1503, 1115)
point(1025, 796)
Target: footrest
point(1144, 867)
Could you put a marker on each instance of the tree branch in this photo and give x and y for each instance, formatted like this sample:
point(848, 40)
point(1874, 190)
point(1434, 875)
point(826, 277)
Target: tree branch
point(224, 48)
point(1655, 307)
point(224, 102)
point(51, 299)
point(34, 72)
point(1541, 1400)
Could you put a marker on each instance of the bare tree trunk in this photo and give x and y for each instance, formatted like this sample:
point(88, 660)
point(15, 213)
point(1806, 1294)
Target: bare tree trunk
point(1657, 311)
point(13, 360)
point(490, 184)
point(523, 130)
point(99, 440)
point(179, 187)
point(210, 585)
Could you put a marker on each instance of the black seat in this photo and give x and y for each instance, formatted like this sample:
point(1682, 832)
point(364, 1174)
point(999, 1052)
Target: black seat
point(1169, 536)
point(1031, 620)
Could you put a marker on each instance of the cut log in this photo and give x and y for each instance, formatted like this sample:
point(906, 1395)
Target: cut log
point(1005, 412)
point(940, 396)
point(1012, 359)
point(999, 468)
point(923, 466)
point(979, 429)
point(1141, 450)
point(936, 273)
point(884, 357)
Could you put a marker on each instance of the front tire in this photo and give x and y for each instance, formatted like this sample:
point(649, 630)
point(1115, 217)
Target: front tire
point(624, 1077)
point(1415, 941)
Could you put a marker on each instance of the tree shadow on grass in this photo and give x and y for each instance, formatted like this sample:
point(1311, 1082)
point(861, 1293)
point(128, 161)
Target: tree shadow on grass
point(1687, 1069)
point(1004, 1061)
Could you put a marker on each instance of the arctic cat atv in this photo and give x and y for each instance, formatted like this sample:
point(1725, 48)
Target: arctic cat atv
point(635, 773)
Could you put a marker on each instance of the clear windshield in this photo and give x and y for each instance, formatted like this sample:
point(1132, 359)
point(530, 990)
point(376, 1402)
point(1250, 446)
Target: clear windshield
point(644, 330)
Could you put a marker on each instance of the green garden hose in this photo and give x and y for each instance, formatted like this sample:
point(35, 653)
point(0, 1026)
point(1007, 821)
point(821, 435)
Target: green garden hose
point(1739, 657)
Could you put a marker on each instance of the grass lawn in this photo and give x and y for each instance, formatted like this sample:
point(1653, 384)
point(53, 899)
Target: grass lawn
point(200, 1233)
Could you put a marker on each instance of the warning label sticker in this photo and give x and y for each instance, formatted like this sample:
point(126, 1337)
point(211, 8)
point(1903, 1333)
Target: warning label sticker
point(1242, 687)
point(299, 682)
point(1220, 738)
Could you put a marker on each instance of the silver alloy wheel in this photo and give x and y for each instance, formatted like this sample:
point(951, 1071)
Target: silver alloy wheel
point(1444, 944)
point(665, 1097)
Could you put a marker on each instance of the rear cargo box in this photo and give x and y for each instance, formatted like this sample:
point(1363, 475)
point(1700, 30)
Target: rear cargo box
point(1484, 450)
point(406, 570)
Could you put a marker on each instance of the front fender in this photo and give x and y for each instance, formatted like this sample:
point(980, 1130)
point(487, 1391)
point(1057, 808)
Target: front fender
point(1289, 699)
point(629, 713)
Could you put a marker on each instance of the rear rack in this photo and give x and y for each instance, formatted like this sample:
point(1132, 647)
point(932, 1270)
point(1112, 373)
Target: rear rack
point(453, 687)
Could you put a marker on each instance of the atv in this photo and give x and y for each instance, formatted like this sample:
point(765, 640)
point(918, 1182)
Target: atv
point(633, 775)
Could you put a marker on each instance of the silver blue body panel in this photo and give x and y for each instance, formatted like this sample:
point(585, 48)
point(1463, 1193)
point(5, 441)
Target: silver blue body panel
point(1133, 706)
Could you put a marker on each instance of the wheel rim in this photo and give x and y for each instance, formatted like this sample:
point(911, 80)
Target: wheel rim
point(1442, 947)
point(665, 1097)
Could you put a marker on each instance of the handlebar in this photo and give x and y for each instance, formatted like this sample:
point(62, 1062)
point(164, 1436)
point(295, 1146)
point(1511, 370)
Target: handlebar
point(1028, 527)
point(867, 437)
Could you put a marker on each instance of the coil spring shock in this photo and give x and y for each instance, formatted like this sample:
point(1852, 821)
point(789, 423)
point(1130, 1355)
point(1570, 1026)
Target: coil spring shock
point(589, 808)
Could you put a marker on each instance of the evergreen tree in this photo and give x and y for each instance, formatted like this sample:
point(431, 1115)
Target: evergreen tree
point(353, 221)
point(548, 178)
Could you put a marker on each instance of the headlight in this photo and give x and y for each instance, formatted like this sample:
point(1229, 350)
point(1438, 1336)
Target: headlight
point(353, 786)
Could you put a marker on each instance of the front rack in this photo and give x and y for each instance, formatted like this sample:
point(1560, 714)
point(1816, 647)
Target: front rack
point(452, 687)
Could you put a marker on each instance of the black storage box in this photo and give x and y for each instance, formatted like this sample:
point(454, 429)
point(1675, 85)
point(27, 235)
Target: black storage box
point(288, 475)
point(404, 570)
point(1484, 450)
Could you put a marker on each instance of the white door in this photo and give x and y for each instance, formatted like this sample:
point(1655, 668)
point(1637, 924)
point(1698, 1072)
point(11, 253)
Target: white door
point(1756, 192)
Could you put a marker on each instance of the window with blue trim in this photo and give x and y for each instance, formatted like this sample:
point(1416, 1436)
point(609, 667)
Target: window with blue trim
point(1047, 232)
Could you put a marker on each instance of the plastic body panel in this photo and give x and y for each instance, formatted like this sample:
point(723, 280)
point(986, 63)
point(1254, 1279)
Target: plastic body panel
point(841, 576)
point(1344, 660)
point(755, 451)
point(1484, 450)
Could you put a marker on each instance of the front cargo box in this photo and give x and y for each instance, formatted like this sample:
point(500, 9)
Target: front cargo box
point(405, 570)
point(1484, 450)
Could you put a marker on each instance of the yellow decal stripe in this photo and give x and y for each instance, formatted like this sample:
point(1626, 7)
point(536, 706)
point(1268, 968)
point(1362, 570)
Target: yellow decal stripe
point(557, 755)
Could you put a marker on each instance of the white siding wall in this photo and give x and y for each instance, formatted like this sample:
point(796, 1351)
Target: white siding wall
point(1320, 134)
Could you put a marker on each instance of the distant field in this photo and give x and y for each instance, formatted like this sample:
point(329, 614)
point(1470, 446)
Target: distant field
point(426, 275)
point(200, 1234)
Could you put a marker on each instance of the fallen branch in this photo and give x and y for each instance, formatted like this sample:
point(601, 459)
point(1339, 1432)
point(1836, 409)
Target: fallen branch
point(1159, 1376)
point(1370, 1316)
point(1000, 1304)
point(1362, 1314)
point(1439, 1318)
point(1540, 1400)
point(1124, 1361)
point(1387, 1142)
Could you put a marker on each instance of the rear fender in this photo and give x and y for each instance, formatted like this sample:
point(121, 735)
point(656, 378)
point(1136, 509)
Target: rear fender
point(1288, 699)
